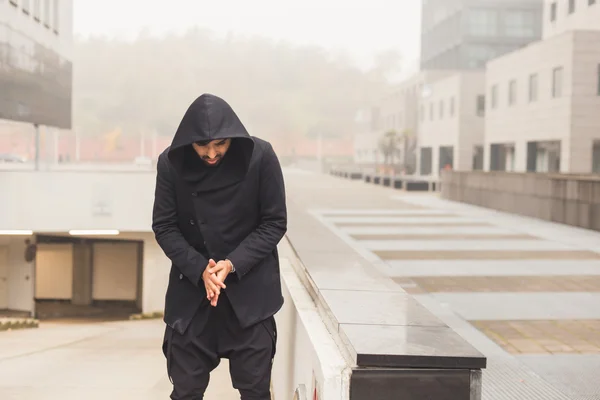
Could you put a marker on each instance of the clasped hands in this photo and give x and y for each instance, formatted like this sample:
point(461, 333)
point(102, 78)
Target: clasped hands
point(214, 279)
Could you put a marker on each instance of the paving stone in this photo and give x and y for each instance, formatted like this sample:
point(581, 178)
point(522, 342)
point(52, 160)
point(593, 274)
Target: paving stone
point(365, 237)
point(544, 337)
point(463, 284)
point(486, 255)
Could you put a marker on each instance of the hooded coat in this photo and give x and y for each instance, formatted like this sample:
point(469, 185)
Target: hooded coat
point(233, 211)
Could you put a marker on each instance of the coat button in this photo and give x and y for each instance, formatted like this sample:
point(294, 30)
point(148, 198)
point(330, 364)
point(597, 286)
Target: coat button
point(192, 222)
point(180, 276)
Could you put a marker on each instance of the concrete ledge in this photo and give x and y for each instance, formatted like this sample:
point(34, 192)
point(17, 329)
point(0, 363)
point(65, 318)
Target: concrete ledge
point(7, 324)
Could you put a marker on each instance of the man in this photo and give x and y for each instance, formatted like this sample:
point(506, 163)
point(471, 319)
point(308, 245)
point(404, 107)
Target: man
point(219, 213)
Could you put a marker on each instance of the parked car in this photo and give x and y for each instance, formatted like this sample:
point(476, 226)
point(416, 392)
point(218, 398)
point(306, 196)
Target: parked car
point(10, 158)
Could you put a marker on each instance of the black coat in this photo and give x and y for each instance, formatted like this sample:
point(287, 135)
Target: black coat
point(236, 211)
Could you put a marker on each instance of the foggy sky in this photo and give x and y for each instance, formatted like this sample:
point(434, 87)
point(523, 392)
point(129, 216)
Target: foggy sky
point(361, 27)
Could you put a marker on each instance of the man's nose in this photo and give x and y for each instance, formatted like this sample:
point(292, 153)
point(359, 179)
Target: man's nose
point(212, 153)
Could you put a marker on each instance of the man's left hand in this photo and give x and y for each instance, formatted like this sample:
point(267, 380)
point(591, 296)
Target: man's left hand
point(222, 269)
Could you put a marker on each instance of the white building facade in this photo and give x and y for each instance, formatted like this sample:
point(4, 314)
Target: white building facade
point(544, 100)
point(451, 127)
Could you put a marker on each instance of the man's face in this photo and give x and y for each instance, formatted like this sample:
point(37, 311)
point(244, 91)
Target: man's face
point(212, 152)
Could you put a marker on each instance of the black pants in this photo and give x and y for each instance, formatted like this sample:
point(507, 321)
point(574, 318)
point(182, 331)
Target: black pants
point(215, 333)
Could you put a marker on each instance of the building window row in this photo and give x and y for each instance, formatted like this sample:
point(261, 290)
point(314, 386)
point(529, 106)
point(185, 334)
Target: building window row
point(479, 108)
point(43, 11)
point(571, 8)
point(533, 88)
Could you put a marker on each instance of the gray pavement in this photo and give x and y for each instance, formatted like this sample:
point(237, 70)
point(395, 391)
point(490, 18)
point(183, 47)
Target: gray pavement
point(93, 361)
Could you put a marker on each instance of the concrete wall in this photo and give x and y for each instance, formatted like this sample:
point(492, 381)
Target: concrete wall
point(568, 199)
point(585, 115)
point(585, 17)
point(571, 118)
point(61, 201)
point(155, 276)
point(115, 271)
point(54, 272)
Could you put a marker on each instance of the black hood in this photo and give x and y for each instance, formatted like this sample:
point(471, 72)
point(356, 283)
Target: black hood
point(211, 118)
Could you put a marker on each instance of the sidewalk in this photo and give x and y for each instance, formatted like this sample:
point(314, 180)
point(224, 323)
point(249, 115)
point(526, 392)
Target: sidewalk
point(96, 361)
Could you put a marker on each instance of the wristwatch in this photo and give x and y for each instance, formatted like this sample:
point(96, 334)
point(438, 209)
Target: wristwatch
point(232, 267)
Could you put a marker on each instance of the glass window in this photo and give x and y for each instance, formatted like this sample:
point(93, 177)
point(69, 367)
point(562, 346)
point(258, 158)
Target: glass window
point(571, 6)
point(512, 92)
point(533, 87)
point(37, 9)
point(452, 106)
point(25, 6)
point(494, 96)
point(56, 22)
point(441, 109)
point(431, 111)
point(557, 82)
point(553, 12)
point(519, 23)
point(482, 22)
point(591, 2)
point(47, 13)
point(479, 55)
point(481, 105)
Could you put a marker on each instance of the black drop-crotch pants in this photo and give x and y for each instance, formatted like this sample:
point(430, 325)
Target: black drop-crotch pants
point(215, 333)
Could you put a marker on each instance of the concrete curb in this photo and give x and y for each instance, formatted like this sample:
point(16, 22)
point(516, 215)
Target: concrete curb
point(7, 324)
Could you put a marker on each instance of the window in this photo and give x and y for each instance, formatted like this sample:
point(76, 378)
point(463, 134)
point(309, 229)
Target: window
point(25, 6)
point(47, 13)
point(494, 96)
point(422, 112)
point(431, 111)
point(533, 88)
point(481, 105)
point(56, 22)
point(557, 82)
point(553, 12)
point(37, 10)
point(512, 92)
point(591, 2)
point(452, 104)
point(13, 2)
point(441, 109)
point(571, 6)
point(519, 23)
point(482, 22)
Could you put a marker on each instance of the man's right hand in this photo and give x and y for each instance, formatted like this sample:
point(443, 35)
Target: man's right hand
point(211, 282)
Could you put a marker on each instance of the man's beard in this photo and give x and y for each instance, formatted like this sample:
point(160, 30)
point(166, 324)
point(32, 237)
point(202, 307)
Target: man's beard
point(216, 161)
